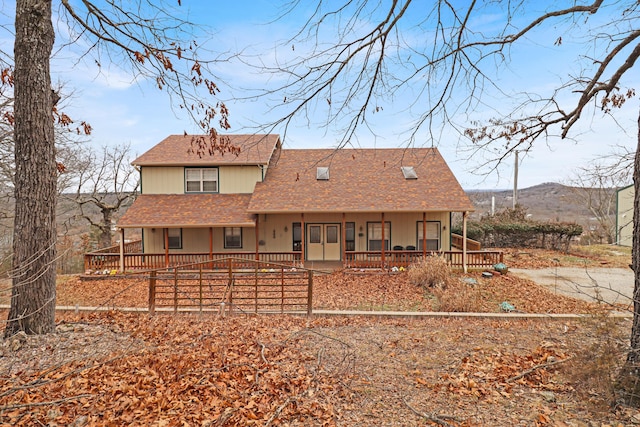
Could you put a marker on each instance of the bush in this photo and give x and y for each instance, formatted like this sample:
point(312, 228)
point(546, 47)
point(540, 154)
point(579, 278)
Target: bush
point(429, 272)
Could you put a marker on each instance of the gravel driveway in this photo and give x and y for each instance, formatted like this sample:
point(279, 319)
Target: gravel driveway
point(613, 285)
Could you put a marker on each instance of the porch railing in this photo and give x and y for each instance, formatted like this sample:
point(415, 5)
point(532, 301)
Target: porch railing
point(371, 259)
point(472, 245)
point(135, 261)
point(96, 261)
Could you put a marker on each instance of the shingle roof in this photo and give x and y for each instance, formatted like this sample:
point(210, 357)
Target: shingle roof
point(361, 180)
point(188, 210)
point(174, 151)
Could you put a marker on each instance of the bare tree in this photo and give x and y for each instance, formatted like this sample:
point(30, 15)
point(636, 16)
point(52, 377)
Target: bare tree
point(155, 44)
point(594, 186)
point(448, 60)
point(106, 181)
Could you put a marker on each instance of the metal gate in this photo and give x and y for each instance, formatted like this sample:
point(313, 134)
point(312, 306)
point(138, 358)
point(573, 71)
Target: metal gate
point(228, 286)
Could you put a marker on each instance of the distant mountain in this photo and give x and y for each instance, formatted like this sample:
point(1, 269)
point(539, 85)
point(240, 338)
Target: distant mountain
point(547, 202)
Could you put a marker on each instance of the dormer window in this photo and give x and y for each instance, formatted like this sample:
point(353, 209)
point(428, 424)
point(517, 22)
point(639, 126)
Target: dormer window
point(322, 173)
point(409, 172)
point(201, 180)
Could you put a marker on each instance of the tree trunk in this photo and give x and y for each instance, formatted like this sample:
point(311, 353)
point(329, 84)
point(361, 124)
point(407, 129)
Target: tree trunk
point(106, 237)
point(33, 294)
point(628, 384)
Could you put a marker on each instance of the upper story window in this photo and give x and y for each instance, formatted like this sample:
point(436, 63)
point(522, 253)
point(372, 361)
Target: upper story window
point(201, 180)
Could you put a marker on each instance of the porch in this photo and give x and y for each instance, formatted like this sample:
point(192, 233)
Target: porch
point(131, 258)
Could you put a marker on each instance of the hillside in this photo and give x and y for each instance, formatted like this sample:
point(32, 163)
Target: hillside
point(545, 202)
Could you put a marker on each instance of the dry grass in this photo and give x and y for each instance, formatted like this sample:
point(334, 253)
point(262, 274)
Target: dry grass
point(431, 272)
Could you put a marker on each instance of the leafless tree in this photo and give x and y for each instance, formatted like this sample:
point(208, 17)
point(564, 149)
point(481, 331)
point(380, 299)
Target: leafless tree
point(351, 57)
point(106, 181)
point(149, 37)
point(594, 186)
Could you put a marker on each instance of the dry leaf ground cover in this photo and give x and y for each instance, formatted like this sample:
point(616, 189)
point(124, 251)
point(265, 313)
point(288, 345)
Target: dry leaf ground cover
point(113, 369)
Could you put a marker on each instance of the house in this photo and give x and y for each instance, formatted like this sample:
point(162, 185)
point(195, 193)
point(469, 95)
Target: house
point(624, 215)
point(355, 207)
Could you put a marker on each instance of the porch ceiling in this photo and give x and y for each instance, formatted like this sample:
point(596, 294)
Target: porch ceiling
point(188, 211)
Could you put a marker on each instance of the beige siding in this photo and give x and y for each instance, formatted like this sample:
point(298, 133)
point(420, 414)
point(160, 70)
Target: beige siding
point(276, 232)
point(196, 240)
point(170, 180)
point(624, 216)
point(403, 228)
point(239, 179)
point(162, 180)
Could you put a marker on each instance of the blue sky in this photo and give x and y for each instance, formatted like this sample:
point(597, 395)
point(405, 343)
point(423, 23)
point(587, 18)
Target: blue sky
point(122, 109)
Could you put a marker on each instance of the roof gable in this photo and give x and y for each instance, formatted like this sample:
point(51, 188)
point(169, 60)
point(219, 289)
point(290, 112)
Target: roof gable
point(174, 150)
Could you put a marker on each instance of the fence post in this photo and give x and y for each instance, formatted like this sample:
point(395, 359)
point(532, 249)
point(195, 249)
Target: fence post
point(175, 290)
point(310, 294)
point(200, 288)
point(152, 292)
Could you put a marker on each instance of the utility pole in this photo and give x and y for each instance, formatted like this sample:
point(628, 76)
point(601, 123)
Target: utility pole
point(515, 181)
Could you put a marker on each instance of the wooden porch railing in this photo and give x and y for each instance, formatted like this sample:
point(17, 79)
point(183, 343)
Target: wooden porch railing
point(472, 245)
point(216, 261)
point(138, 261)
point(129, 248)
point(370, 259)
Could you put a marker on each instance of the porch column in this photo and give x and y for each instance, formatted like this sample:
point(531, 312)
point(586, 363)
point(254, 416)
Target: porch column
point(424, 234)
point(302, 239)
point(383, 245)
point(166, 247)
point(210, 242)
point(122, 250)
point(257, 237)
point(464, 241)
point(344, 239)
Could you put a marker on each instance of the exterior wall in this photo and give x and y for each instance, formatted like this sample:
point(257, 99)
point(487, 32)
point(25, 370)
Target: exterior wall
point(197, 240)
point(162, 180)
point(170, 180)
point(403, 228)
point(276, 232)
point(624, 216)
point(239, 179)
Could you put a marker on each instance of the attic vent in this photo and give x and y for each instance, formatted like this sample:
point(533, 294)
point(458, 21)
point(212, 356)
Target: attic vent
point(409, 172)
point(322, 173)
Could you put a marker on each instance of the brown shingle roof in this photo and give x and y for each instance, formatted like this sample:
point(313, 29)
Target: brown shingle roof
point(360, 180)
point(174, 151)
point(188, 210)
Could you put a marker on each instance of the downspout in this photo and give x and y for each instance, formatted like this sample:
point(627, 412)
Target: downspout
point(344, 240)
point(257, 237)
point(166, 247)
point(303, 243)
point(383, 245)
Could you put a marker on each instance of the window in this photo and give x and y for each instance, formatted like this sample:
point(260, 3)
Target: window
point(315, 234)
point(175, 238)
point(232, 237)
point(201, 180)
point(350, 233)
point(433, 235)
point(374, 236)
point(297, 236)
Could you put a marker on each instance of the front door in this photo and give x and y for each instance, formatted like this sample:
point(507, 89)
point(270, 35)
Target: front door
point(323, 242)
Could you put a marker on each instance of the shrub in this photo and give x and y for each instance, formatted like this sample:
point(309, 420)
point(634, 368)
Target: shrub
point(429, 272)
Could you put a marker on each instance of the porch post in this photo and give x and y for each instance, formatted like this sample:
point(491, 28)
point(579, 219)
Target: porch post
point(122, 250)
point(464, 241)
point(302, 239)
point(424, 234)
point(383, 245)
point(210, 242)
point(344, 240)
point(257, 237)
point(166, 247)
